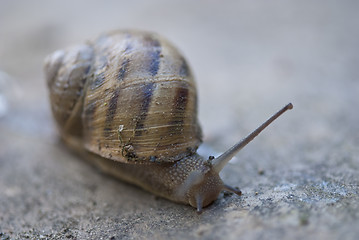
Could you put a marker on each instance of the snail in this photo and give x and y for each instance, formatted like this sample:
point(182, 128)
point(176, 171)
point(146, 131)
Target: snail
point(127, 101)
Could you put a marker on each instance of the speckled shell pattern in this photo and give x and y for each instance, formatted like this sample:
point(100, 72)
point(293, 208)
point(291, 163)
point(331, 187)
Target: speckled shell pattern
point(128, 96)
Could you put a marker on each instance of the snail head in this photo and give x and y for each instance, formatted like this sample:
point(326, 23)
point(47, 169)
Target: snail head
point(204, 185)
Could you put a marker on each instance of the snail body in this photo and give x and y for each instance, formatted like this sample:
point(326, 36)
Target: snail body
point(127, 101)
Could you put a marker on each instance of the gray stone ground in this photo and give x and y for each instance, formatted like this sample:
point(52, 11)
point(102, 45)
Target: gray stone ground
point(299, 178)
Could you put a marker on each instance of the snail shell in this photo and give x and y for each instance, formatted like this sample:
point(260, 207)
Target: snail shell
point(128, 102)
point(129, 96)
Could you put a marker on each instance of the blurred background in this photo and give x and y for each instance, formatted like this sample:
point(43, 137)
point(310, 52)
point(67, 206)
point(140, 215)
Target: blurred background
point(249, 58)
point(246, 55)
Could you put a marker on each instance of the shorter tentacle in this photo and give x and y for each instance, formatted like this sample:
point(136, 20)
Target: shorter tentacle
point(232, 189)
point(199, 203)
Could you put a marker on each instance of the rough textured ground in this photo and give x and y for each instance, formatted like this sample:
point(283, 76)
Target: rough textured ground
point(299, 178)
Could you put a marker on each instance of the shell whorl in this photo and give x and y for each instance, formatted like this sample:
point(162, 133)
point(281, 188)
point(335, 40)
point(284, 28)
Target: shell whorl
point(127, 96)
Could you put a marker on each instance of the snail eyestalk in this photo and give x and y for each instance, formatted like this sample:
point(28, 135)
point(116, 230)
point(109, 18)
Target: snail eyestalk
point(222, 160)
point(232, 189)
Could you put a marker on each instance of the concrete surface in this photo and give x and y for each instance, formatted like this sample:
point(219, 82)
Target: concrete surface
point(299, 178)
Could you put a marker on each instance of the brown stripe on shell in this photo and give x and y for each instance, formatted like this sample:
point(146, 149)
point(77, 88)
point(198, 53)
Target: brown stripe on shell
point(181, 98)
point(180, 104)
point(88, 114)
point(198, 129)
point(99, 65)
point(111, 111)
point(126, 60)
point(147, 92)
point(98, 81)
point(154, 54)
point(123, 69)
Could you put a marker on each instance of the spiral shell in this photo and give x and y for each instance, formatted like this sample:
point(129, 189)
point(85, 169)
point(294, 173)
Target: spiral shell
point(128, 96)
